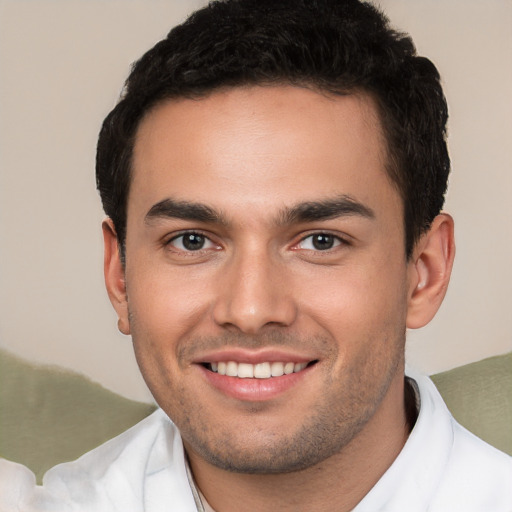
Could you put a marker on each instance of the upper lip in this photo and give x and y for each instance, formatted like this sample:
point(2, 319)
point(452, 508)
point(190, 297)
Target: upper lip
point(253, 356)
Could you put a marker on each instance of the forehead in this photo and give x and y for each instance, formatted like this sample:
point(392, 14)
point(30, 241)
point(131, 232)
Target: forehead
point(259, 146)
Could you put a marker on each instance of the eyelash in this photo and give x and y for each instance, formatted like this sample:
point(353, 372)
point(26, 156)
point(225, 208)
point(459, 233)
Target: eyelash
point(337, 241)
point(182, 235)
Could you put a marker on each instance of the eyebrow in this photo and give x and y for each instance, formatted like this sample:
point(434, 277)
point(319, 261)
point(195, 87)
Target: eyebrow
point(309, 211)
point(338, 206)
point(172, 209)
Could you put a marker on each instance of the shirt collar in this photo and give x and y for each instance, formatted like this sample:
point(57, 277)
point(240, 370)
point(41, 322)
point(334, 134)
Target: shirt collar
point(413, 477)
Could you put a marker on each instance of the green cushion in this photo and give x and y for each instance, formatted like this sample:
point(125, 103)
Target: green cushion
point(479, 395)
point(49, 415)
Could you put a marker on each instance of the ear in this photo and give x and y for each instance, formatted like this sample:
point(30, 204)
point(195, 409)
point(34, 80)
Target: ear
point(114, 275)
point(429, 271)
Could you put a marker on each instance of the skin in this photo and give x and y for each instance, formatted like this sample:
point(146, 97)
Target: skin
point(259, 289)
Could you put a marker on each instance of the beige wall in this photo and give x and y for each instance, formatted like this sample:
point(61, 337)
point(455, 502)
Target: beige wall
point(62, 64)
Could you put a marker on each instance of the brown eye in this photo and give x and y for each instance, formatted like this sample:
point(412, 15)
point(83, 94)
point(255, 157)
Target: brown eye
point(320, 242)
point(191, 242)
point(323, 242)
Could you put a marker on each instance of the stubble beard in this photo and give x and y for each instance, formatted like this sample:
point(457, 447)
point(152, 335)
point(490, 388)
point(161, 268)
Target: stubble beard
point(335, 421)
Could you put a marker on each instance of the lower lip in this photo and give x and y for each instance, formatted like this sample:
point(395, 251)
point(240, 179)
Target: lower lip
point(254, 390)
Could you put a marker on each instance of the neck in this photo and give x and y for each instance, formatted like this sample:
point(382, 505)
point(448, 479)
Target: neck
point(338, 483)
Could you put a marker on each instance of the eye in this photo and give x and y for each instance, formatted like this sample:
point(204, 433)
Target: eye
point(319, 242)
point(191, 241)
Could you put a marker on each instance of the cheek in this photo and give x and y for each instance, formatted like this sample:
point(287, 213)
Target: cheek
point(165, 303)
point(358, 301)
point(159, 319)
point(163, 312)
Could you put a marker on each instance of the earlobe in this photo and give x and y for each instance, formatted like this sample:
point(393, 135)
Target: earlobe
point(429, 271)
point(114, 275)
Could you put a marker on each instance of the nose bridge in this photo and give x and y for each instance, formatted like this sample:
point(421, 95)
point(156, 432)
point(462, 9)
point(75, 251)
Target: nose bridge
point(253, 291)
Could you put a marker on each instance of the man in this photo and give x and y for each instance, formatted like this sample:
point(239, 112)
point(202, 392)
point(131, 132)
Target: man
point(273, 178)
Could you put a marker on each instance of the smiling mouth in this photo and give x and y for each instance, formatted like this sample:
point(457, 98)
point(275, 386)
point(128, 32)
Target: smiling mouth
point(264, 370)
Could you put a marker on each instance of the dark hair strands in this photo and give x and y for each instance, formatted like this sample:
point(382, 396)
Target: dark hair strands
point(332, 46)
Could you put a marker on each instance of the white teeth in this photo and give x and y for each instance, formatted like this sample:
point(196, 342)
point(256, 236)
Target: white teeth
point(258, 371)
point(299, 366)
point(288, 368)
point(277, 369)
point(232, 369)
point(245, 371)
point(262, 371)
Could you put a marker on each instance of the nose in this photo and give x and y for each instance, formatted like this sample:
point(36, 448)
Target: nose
point(254, 292)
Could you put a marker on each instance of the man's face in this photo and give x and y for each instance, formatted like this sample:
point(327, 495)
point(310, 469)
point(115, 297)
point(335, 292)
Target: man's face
point(264, 235)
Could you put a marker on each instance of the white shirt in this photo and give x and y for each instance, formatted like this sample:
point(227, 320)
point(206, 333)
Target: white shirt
point(442, 468)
